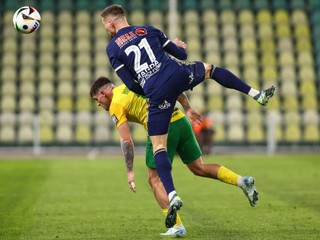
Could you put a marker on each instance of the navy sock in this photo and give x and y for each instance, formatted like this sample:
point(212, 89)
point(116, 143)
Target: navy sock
point(229, 80)
point(163, 166)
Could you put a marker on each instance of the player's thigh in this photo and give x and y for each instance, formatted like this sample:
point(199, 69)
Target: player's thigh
point(188, 148)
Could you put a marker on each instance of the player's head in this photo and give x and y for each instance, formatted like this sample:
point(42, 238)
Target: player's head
point(112, 16)
point(101, 92)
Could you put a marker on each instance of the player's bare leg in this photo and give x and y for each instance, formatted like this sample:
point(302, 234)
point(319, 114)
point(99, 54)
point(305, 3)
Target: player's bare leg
point(216, 171)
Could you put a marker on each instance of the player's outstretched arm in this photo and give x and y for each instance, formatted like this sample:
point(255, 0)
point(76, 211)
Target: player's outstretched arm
point(128, 152)
point(175, 50)
point(193, 116)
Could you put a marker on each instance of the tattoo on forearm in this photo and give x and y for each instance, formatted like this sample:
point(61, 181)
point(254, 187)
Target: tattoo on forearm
point(128, 152)
point(184, 101)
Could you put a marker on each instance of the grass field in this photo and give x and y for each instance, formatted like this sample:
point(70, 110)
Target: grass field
point(89, 199)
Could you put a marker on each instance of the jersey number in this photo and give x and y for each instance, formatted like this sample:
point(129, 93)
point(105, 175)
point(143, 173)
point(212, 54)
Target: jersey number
point(138, 67)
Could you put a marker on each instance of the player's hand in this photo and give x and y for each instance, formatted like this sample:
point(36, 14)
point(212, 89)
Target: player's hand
point(179, 43)
point(194, 117)
point(132, 186)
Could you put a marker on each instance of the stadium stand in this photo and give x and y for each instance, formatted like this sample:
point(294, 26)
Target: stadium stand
point(48, 73)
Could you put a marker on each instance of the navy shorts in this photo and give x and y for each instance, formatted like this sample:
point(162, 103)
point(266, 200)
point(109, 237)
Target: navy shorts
point(161, 104)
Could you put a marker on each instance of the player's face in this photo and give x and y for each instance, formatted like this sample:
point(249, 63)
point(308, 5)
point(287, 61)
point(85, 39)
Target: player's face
point(102, 100)
point(108, 24)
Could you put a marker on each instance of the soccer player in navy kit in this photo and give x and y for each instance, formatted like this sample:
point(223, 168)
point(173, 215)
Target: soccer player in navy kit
point(139, 55)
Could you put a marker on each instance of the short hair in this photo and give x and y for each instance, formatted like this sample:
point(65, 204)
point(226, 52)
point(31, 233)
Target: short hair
point(97, 84)
point(114, 9)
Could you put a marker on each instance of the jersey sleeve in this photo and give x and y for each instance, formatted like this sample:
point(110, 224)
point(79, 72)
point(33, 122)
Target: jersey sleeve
point(118, 114)
point(115, 62)
point(170, 47)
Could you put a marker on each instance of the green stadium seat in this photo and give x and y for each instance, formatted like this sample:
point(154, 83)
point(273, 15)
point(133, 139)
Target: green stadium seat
point(65, 45)
point(279, 4)
point(281, 17)
point(157, 5)
point(191, 17)
point(155, 18)
point(302, 31)
point(265, 30)
point(264, 17)
point(64, 88)
point(83, 103)
point(290, 103)
point(7, 133)
point(46, 134)
point(248, 44)
point(45, 103)
point(45, 60)
point(25, 133)
point(64, 103)
point(224, 4)
point(230, 45)
point(9, 46)
point(83, 133)
point(283, 31)
point(292, 133)
point(246, 16)
point(297, 4)
point(85, 5)
point(303, 44)
point(267, 45)
point(101, 134)
point(293, 117)
point(192, 31)
point(298, 16)
point(235, 133)
point(250, 72)
point(64, 133)
point(209, 17)
point(269, 73)
point(311, 133)
point(243, 4)
point(123, 3)
point(139, 133)
point(255, 134)
point(231, 58)
point(307, 87)
point(219, 133)
point(286, 59)
point(8, 87)
point(260, 4)
point(309, 102)
point(306, 73)
point(213, 57)
point(206, 4)
point(136, 5)
point(46, 118)
point(65, 59)
point(233, 102)
point(46, 73)
point(314, 4)
point(83, 18)
point(268, 59)
point(305, 58)
point(250, 59)
point(227, 17)
point(247, 30)
point(189, 5)
point(137, 17)
point(310, 117)
point(215, 103)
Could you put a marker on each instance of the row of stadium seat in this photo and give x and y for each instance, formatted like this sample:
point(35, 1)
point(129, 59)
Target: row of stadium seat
point(48, 73)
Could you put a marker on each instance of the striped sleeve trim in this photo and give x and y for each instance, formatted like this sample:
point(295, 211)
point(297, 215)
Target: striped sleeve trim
point(166, 43)
point(119, 67)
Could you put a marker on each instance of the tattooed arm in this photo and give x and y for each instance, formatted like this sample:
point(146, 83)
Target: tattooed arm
point(128, 152)
point(193, 116)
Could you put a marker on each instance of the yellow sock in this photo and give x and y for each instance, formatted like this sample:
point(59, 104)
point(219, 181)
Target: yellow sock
point(227, 176)
point(178, 221)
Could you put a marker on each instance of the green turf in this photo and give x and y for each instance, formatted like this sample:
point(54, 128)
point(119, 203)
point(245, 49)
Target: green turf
point(83, 199)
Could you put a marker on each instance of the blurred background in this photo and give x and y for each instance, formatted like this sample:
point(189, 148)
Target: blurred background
point(45, 76)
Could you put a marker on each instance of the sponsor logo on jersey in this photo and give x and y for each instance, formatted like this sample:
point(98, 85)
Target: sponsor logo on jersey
point(164, 105)
point(114, 119)
point(145, 74)
point(125, 38)
point(141, 31)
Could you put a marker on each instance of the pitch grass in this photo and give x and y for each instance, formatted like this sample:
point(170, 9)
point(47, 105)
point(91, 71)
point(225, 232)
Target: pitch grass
point(83, 199)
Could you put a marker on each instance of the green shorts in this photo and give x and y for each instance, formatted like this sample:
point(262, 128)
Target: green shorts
point(181, 139)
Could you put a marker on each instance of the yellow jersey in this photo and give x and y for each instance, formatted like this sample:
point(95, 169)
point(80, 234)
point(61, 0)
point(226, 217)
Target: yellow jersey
point(129, 106)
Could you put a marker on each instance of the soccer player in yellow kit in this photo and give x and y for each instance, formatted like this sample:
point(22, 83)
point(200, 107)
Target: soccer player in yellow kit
point(126, 106)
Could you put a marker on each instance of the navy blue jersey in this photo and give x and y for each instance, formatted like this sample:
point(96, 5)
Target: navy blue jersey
point(141, 50)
